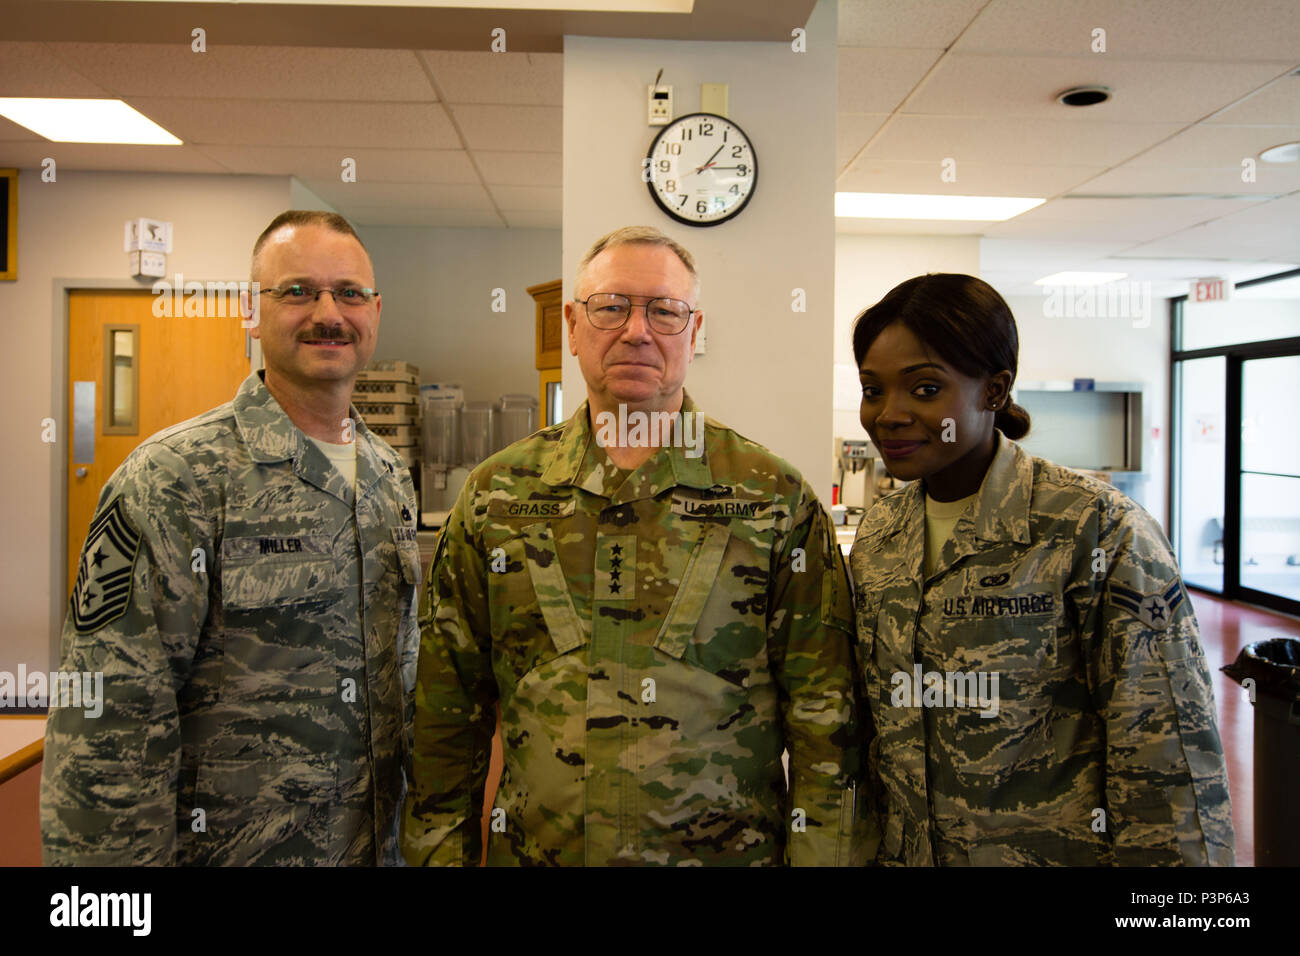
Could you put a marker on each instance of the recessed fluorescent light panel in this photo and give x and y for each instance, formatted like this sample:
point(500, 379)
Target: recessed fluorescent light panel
point(919, 206)
point(85, 121)
point(1080, 278)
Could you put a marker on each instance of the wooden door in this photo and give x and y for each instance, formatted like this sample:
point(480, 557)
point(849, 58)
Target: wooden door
point(147, 372)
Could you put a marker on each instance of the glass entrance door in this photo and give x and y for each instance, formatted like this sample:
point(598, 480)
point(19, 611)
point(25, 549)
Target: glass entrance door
point(1269, 535)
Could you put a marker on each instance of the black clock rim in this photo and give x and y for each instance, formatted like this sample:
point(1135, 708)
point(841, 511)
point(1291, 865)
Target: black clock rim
point(650, 186)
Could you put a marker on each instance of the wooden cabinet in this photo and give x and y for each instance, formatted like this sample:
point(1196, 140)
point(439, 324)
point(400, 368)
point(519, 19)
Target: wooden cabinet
point(550, 340)
point(550, 323)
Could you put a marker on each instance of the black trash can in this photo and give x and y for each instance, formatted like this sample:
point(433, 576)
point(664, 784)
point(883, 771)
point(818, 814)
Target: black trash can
point(1274, 666)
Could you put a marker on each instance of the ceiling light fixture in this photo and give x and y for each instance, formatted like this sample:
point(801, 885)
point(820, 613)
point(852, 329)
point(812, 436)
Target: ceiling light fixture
point(920, 206)
point(85, 121)
point(1284, 153)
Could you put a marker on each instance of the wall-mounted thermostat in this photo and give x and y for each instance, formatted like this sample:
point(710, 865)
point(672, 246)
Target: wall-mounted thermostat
point(660, 99)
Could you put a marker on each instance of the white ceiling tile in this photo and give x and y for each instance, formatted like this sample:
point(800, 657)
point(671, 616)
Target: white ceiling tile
point(533, 218)
point(86, 156)
point(264, 123)
point(1149, 180)
point(521, 128)
point(877, 80)
point(931, 24)
point(521, 169)
point(1069, 231)
point(973, 179)
point(250, 72)
point(852, 130)
point(531, 79)
point(421, 195)
point(1215, 147)
point(1276, 105)
point(30, 69)
point(372, 165)
point(1171, 29)
point(1015, 141)
point(1025, 86)
point(1166, 214)
point(540, 198)
point(433, 218)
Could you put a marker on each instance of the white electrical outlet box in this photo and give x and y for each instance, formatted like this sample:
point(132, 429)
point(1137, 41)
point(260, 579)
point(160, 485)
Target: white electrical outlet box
point(660, 104)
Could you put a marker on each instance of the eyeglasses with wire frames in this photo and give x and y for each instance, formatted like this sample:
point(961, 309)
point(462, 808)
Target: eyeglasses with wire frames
point(608, 311)
point(298, 294)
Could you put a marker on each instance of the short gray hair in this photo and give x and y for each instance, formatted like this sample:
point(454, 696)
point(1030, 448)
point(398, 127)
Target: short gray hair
point(645, 235)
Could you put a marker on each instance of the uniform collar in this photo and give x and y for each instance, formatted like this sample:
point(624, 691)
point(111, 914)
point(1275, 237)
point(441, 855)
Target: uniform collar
point(1001, 511)
point(575, 462)
point(271, 436)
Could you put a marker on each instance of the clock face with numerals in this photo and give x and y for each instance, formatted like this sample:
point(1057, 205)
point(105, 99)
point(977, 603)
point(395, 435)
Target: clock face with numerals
point(702, 169)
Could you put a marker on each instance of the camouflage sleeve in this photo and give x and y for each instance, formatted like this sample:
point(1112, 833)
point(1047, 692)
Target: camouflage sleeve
point(455, 703)
point(810, 648)
point(109, 782)
point(1166, 784)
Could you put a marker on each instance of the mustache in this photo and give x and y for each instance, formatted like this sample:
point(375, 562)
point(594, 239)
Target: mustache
point(338, 332)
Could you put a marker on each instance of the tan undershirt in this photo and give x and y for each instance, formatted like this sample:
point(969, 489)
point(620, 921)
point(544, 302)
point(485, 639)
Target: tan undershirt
point(940, 518)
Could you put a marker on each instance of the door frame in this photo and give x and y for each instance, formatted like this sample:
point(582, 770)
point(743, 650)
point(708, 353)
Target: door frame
point(60, 321)
point(1234, 357)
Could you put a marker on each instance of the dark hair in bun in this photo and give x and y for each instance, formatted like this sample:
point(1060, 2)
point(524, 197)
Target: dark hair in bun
point(960, 317)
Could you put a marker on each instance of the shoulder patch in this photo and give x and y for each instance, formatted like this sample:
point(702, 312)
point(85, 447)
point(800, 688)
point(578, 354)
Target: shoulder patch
point(107, 569)
point(1154, 610)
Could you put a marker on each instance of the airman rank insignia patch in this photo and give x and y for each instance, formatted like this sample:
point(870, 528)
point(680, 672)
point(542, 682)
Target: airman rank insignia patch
point(107, 569)
point(1154, 610)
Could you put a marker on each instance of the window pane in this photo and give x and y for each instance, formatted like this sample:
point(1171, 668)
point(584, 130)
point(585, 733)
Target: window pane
point(122, 387)
point(1254, 314)
point(1201, 456)
point(1270, 479)
point(1270, 534)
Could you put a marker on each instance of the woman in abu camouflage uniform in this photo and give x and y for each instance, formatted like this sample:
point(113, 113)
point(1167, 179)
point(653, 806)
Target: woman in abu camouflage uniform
point(1028, 651)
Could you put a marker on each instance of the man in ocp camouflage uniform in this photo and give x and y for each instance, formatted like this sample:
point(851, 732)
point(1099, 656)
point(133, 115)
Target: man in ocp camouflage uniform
point(1097, 745)
point(657, 621)
point(247, 588)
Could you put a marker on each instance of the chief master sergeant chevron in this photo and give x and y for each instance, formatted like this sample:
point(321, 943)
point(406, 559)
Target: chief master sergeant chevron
point(658, 612)
point(248, 590)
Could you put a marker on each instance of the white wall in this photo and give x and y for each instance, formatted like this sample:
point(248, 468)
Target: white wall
point(437, 286)
point(1107, 349)
point(866, 268)
point(765, 372)
point(71, 229)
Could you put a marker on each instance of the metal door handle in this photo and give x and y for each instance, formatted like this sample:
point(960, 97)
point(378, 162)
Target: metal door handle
point(81, 472)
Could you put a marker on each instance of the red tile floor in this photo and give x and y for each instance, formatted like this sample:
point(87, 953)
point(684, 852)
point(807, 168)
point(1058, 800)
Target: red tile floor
point(1226, 627)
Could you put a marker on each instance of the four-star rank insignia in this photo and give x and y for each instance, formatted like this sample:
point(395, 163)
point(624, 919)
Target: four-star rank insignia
point(615, 567)
point(1153, 610)
point(107, 569)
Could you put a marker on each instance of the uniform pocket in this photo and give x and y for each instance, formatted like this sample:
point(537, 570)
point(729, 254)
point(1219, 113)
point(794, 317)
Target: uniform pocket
point(280, 617)
point(717, 620)
point(532, 615)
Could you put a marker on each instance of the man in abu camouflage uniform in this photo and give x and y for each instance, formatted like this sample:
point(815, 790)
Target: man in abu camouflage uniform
point(247, 588)
point(1042, 697)
point(657, 617)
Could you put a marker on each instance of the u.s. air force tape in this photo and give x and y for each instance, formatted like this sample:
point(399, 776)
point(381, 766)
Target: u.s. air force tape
point(107, 569)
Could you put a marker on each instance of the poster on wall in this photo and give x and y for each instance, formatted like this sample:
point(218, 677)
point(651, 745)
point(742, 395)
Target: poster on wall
point(9, 219)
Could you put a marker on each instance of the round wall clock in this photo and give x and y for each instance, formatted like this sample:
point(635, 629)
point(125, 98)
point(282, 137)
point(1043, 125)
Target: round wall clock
point(703, 169)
